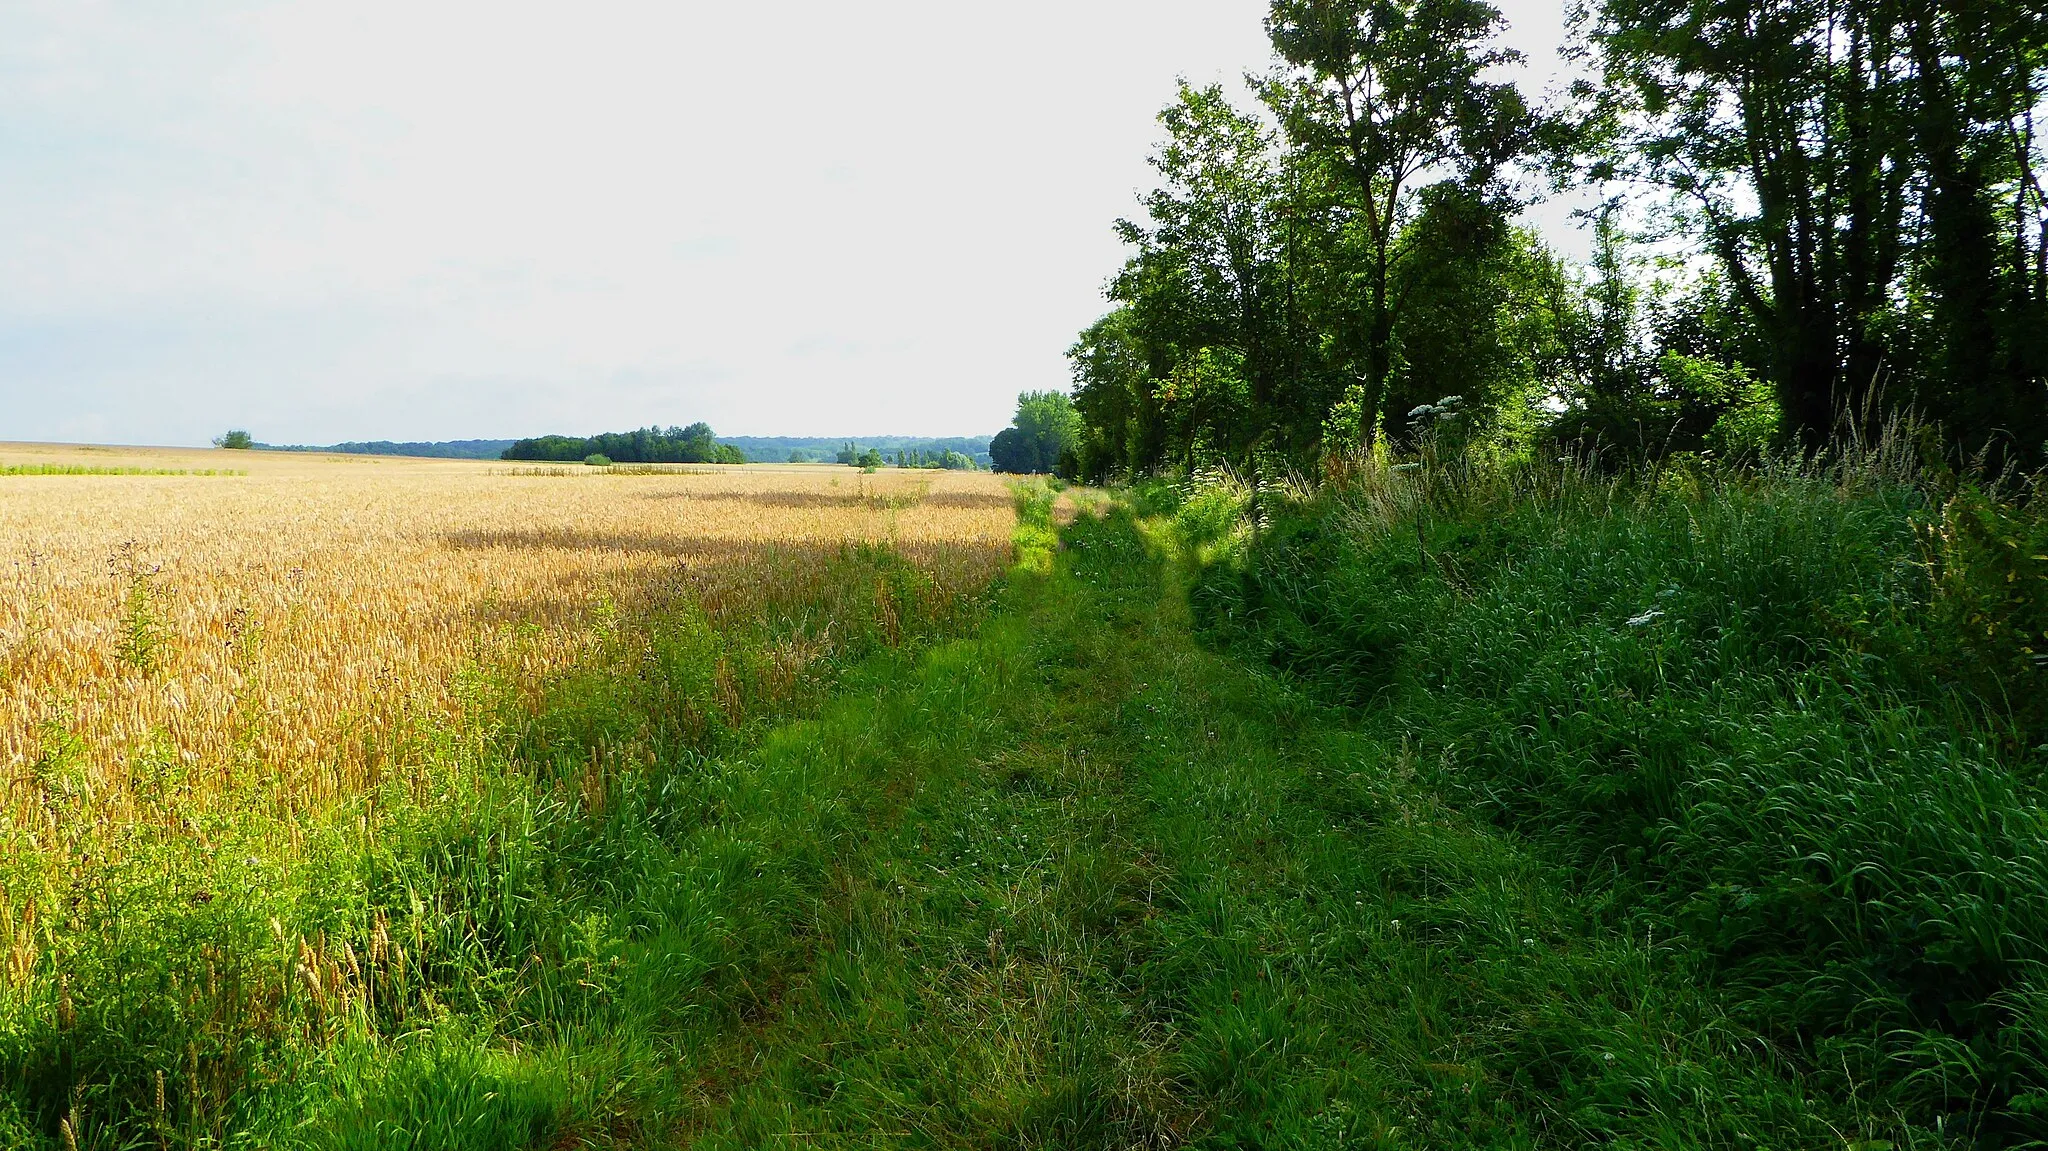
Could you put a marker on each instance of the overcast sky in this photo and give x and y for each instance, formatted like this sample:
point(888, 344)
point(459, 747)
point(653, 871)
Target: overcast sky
point(356, 219)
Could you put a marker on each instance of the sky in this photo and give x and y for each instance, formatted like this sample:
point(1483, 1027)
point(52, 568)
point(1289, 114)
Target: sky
point(328, 221)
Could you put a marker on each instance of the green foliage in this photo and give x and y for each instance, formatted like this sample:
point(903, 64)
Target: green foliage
point(598, 460)
point(143, 628)
point(1988, 563)
point(1748, 423)
point(439, 449)
point(1288, 291)
point(1204, 403)
point(1045, 437)
point(1479, 319)
point(236, 440)
point(1384, 91)
point(1360, 262)
point(692, 445)
point(1736, 115)
point(813, 449)
point(1747, 709)
point(947, 461)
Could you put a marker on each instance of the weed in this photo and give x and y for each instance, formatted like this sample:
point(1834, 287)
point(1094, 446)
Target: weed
point(144, 632)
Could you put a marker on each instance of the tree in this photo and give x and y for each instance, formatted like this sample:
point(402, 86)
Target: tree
point(1210, 269)
point(1207, 406)
point(1049, 422)
point(1478, 317)
point(237, 440)
point(1865, 174)
point(1014, 452)
point(1113, 394)
point(1785, 160)
point(695, 444)
point(1045, 436)
point(1980, 74)
point(1388, 93)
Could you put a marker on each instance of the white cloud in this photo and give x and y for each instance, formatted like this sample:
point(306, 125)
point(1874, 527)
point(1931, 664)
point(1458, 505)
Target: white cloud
point(342, 220)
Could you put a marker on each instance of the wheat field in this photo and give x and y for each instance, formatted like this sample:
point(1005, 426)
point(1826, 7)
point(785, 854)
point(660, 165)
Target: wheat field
point(290, 623)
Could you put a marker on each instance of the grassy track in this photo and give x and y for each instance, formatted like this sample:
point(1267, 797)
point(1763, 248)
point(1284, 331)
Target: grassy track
point(1075, 881)
point(1175, 903)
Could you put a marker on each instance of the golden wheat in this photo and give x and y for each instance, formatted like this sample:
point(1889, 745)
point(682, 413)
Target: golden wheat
point(289, 624)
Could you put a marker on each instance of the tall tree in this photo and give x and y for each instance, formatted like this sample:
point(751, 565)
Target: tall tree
point(1480, 318)
point(1979, 70)
point(1043, 437)
point(1113, 393)
point(1777, 125)
point(1391, 92)
point(1864, 173)
point(1209, 269)
point(1212, 217)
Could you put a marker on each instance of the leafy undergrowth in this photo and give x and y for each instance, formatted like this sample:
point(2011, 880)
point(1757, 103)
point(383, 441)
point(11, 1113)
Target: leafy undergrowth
point(1787, 725)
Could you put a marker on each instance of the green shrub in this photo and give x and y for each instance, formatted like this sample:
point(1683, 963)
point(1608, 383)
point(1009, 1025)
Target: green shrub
point(598, 460)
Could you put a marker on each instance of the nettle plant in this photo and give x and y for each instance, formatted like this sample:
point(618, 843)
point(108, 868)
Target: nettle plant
point(144, 632)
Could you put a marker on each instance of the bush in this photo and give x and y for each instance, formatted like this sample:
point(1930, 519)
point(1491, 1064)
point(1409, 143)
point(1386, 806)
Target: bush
point(236, 439)
point(598, 460)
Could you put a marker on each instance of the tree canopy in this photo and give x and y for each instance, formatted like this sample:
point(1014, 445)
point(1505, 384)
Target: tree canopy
point(1045, 432)
point(1846, 200)
point(694, 444)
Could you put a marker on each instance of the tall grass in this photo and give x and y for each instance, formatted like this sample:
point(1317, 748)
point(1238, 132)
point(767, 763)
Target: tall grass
point(1792, 717)
point(508, 880)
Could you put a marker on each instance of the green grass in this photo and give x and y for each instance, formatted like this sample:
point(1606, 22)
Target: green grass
point(1461, 859)
point(95, 470)
point(1775, 721)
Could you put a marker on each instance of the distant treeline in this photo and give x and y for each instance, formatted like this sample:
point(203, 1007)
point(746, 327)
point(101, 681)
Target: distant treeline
point(827, 449)
point(695, 444)
point(446, 449)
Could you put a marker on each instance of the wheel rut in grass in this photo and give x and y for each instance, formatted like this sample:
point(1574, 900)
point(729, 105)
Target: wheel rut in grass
point(1174, 902)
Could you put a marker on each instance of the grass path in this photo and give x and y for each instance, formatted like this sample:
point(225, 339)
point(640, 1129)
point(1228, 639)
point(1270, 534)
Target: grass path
point(1162, 900)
